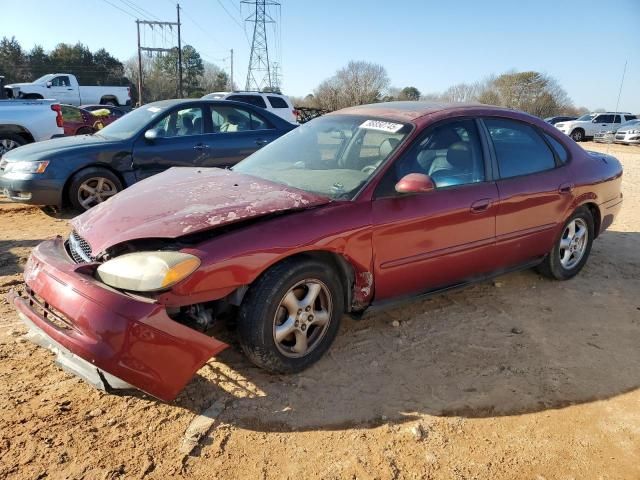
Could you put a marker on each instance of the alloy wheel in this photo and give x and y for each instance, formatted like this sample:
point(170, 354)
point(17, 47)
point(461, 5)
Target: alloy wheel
point(95, 190)
point(7, 144)
point(573, 243)
point(302, 318)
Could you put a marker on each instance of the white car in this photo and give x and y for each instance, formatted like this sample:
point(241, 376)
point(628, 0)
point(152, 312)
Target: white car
point(588, 125)
point(276, 103)
point(64, 88)
point(26, 121)
point(629, 133)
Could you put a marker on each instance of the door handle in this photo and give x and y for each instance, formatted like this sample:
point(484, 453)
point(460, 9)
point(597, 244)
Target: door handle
point(565, 188)
point(480, 206)
point(69, 89)
point(261, 142)
point(201, 146)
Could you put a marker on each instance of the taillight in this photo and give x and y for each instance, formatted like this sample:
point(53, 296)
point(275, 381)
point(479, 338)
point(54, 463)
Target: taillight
point(129, 92)
point(59, 120)
point(295, 113)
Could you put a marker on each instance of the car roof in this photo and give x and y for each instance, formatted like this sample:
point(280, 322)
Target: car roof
point(411, 110)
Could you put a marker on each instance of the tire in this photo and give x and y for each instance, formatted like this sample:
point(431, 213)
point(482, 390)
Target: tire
point(562, 263)
point(263, 310)
point(9, 141)
point(578, 135)
point(111, 102)
point(84, 131)
point(103, 182)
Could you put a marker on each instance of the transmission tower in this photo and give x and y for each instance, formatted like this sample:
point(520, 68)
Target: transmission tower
point(259, 75)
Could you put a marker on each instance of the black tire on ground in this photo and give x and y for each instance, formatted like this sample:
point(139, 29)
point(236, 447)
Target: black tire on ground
point(9, 141)
point(578, 135)
point(257, 314)
point(92, 175)
point(552, 266)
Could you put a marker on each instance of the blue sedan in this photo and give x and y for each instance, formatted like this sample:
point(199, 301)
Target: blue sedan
point(86, 170)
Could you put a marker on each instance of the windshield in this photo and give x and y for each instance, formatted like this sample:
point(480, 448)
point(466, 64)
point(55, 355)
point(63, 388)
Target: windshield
point(44, 78)
point(586, 118)
point(334, 155)
point(129, 125)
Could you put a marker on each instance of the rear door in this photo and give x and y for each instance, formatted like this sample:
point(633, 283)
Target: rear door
point(535, 191)
point(236, 132)
point(432, 240)
point(179, 142)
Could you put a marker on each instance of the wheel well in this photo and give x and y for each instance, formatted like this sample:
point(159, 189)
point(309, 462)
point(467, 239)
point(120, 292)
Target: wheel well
point(32, 96)
point(67, 184)
point(597, 219)
point(17, 130)
point(109, 98)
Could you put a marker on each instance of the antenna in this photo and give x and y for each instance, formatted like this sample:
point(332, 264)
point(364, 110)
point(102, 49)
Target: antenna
point(624, 71)
point(259, 74)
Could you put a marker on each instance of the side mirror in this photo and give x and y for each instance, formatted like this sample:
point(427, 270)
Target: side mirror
point(151, 135)
point(49, 84)
point(415, 183)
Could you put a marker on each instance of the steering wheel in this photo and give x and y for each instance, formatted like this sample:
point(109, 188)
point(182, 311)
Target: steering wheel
point(369, 169)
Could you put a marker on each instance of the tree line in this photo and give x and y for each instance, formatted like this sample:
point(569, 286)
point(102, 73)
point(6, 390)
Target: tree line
point(160, 73)
point(361, 82)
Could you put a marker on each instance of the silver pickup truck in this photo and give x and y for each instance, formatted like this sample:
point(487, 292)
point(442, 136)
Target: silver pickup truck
point(26, 121)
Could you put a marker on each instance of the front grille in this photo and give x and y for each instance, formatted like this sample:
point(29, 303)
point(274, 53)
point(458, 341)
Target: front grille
point(619, 137)
point(79, 249)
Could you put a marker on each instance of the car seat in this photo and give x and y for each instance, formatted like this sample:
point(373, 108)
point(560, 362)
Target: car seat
point(460, 159)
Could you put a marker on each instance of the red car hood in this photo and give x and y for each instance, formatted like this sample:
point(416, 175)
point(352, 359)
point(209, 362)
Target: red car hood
point(182, 201)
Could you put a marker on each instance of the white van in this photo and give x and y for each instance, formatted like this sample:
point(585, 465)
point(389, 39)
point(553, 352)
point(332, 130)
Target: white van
point(274, 102)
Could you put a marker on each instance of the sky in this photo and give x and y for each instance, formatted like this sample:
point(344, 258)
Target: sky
point(423, 43)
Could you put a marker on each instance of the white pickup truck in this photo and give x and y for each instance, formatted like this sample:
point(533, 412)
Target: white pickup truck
point(26, 121)
point(64, 88)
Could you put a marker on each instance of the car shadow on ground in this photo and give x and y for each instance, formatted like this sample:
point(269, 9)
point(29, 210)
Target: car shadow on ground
point(516, 345)
point(12, 262)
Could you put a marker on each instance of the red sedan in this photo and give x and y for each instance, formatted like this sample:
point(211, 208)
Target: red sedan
point(78, 121)
point(352, 210)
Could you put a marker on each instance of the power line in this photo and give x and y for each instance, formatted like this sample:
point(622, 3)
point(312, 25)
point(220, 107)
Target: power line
point(121, 9)
point(229, 14)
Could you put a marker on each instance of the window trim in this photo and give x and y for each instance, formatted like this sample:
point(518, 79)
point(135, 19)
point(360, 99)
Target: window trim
point(556, 160)
point(488, 170)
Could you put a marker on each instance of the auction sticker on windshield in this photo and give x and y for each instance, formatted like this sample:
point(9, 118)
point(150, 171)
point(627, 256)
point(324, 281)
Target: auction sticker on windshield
point(382, 126)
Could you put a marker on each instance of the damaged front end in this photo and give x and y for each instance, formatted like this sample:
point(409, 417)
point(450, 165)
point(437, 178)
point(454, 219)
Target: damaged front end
point(109, 337)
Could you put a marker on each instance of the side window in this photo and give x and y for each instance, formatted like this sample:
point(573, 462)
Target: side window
point(61, 81)
point(519, 149)
point(631, 117)
point(256, 100)
point(450, 153)
point(560, 151)
point(604, 119)
point(616, 119)
point(233, 119)
point(180, 123)
point(277, 102)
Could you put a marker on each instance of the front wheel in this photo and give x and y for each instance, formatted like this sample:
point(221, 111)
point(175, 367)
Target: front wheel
point(92, 186)
point(572, 249)
point(291, 315)
point(9, 141)
point(577, 135)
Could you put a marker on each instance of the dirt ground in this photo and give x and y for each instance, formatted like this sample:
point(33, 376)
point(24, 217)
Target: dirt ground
point(518, 378)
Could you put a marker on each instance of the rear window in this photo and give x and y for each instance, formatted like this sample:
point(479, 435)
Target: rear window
point(256, 100)
point(277, 102)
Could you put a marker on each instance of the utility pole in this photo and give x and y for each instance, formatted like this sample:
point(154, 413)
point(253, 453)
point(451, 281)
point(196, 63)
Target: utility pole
point(139, 66)
point(231, 79)
point(259, 73)
point(152, 50)
point(179, 55)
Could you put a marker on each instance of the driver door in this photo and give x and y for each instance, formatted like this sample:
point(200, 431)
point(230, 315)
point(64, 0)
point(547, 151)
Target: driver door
point(179, 143)
point(432, 240)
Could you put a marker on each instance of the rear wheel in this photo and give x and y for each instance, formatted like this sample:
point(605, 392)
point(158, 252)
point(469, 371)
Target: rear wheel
point(572, 249)
point(84, 131)
point(109, 101)
point(290, 317)
point(577, 135)
point(9, 141)
point(92, 186)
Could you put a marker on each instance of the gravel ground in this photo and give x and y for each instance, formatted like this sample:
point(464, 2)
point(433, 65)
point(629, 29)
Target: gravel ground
point(517, 378)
